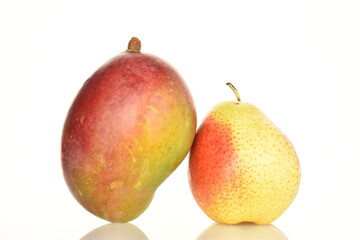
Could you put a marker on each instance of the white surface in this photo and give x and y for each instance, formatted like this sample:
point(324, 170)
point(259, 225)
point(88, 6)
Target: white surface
point(298, 61)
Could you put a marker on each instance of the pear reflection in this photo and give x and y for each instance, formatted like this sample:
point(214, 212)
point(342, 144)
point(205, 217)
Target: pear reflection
point(116, 231)
point(248, 231)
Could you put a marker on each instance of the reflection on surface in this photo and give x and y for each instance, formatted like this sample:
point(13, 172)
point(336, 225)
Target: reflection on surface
point(116, 231)
point(248, 231)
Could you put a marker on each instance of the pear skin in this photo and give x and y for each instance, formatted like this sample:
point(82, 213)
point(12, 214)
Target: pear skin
point(242, 168)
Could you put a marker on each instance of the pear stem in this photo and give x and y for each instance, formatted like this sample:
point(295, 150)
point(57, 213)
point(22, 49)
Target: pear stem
point(235, 91)
point(134, 45)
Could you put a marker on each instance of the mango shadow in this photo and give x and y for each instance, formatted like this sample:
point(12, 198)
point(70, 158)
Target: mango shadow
point(118, 231)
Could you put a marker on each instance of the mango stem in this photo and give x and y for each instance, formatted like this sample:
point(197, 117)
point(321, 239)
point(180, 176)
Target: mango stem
point(234, 90)
point(134, 45)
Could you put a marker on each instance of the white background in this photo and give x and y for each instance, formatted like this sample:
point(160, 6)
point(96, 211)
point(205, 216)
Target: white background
point(298, 61)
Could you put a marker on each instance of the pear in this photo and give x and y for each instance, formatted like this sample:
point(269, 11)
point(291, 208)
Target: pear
point(242, 168)
point(130, 126)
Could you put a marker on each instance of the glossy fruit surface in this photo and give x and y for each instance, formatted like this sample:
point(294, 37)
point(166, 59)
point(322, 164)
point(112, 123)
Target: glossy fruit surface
point(242, 167)
point(130, 126)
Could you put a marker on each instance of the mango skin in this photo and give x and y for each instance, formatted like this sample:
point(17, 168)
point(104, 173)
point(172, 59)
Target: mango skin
point(242, 168)
point(129, 127)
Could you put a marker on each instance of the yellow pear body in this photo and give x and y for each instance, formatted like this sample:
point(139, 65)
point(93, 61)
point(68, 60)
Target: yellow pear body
point(242, 167)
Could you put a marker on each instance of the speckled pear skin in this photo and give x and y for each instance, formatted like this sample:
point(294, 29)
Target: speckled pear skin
point(129, 127)
point(242, 168)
